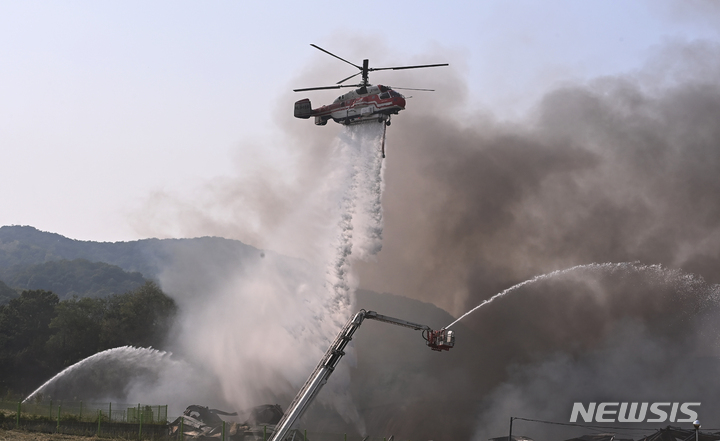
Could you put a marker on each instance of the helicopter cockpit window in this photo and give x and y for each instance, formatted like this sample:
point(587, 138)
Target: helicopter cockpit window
point(395, 94)
point(384, 96)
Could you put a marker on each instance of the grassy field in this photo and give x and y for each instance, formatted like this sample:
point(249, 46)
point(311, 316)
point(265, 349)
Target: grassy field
point(23, 435)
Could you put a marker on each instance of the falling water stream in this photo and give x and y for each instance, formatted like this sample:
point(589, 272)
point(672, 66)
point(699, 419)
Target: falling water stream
point(360, 226)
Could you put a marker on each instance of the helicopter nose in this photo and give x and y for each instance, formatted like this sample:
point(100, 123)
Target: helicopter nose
point(400, 101)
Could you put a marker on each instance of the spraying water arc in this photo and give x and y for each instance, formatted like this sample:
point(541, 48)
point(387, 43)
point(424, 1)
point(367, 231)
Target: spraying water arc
point(112, 370)
point(626, 266)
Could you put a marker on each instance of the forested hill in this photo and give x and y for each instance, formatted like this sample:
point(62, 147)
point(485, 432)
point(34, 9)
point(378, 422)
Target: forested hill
point(24, 245)
point(68, 278)
point(34, 259)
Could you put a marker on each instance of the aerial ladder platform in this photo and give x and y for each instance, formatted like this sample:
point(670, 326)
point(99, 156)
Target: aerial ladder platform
point(440, 340)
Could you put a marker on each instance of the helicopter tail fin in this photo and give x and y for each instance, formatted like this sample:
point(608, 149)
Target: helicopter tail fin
point(303, 109)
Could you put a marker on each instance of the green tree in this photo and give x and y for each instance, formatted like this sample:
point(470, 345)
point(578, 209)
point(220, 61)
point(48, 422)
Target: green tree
point(6, 293)
point(76, 330)
point(24, 330)
point(142, 317)
point(40, 336)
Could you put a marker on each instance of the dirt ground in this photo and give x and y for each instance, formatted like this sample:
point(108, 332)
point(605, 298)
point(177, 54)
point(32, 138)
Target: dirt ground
point(22, 435)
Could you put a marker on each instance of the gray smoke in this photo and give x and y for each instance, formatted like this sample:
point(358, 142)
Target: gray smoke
point(616, 169)
point(624, 332)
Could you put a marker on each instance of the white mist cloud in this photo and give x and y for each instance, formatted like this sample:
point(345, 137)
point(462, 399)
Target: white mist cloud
point(262, 328)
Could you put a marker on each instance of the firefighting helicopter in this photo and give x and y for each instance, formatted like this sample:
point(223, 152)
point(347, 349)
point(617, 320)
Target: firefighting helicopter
point(366, 103)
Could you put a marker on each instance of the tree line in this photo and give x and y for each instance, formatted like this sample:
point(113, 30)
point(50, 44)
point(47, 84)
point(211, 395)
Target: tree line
point(40, 335)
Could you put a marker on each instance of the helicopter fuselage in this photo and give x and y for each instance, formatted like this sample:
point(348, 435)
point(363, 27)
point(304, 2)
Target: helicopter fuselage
point(363, 104)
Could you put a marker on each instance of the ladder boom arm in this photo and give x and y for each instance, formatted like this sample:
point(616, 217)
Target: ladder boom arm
point(393, 321)
point(437, 340)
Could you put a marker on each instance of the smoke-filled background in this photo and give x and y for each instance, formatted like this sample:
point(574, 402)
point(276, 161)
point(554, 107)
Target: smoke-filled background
point(614, 169)
point(595, 168)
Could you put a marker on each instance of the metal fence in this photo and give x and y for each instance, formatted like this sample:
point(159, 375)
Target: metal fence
point(125, 420)
point(85, 418)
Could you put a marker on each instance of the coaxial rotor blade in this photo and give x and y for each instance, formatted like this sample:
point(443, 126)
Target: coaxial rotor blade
point(407, 67)
point(337, 86)
point(342, 81)
point(409, 88)
point(330, 53)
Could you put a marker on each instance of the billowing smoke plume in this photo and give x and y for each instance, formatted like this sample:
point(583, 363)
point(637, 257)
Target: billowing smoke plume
point(618, 169)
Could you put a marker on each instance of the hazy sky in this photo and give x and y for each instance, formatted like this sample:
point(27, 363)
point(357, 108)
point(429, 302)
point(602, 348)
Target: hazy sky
point(104, 104)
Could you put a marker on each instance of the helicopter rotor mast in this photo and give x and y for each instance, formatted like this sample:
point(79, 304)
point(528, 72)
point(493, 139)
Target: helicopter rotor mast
point(365, 69)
